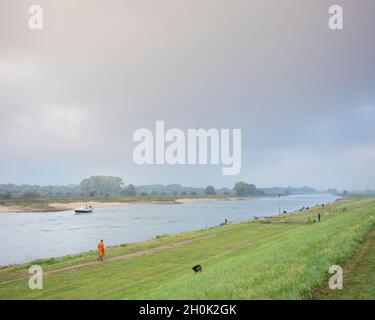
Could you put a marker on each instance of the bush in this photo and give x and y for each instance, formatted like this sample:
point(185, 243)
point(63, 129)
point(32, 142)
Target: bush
point(160, 236)
point(210, 190)
point(6, 195)
point(30, 195)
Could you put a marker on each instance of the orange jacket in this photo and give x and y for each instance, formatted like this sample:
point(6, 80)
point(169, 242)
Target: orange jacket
point(101, 249)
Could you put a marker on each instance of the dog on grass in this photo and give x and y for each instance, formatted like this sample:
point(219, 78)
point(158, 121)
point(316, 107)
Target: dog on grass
point(197, 268)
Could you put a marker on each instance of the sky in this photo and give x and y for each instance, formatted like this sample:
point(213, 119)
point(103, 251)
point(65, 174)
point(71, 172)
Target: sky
point(73, 93)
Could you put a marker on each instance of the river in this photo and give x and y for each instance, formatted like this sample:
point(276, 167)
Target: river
point(28, 236)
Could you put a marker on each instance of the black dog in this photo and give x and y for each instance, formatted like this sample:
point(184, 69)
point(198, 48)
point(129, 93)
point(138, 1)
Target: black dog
point(197, 268)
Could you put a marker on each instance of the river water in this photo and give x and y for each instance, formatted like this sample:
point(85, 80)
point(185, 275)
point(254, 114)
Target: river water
point(28, 236)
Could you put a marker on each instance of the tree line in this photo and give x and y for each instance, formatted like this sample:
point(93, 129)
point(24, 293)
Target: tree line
point(106, 186)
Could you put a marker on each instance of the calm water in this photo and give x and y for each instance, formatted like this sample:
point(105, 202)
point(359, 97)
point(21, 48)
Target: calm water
point(28, 236)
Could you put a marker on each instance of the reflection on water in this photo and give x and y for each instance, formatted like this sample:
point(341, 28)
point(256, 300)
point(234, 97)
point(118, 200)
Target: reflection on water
point(28, 236)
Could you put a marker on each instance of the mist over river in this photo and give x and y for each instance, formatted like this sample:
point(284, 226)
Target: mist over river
point(28, 236)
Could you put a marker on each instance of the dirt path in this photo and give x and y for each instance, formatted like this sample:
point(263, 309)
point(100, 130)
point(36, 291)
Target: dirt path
point(117, 258)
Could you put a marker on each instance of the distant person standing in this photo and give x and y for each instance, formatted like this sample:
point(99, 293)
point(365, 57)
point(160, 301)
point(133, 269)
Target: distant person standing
point(100, 250)
point(319, 215)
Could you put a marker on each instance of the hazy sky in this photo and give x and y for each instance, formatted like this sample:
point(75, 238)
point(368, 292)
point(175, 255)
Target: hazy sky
point(72, 94)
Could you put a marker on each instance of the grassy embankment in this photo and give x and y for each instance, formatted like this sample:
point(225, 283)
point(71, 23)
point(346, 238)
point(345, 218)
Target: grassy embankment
point(359, 275)
point(281, 258)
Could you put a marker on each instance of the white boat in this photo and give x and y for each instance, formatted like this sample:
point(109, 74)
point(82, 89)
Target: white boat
point(84, 210)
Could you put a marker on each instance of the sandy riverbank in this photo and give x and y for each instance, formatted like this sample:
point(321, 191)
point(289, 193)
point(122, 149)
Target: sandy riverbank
point(59, 206)
point(94, 204)
point(62, 206)
point(68, 206)
point(9, 209)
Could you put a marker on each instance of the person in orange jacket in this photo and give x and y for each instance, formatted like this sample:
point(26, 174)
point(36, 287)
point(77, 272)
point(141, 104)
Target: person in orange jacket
point(100, 250)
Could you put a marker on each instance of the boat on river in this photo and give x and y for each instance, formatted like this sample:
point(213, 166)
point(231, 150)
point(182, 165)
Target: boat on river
point(84, 210)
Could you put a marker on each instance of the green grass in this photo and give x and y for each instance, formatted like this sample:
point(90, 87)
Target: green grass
point(358, 274)
point(283, 259)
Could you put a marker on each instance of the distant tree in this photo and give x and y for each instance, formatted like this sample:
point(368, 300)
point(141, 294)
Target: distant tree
point(244, 189)
point(92, 194)
point(144, 194)
point(183, 193)
point(102, 185)
point(209, 190)
point(6, 195)
point(252, 189)
point(241, 188)
point(129, 190)
point(345, 193)
point(193, 193)
point(30, 195)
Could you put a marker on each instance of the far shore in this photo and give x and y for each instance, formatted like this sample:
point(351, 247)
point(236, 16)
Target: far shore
point(58, 205)
point(188, 200)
